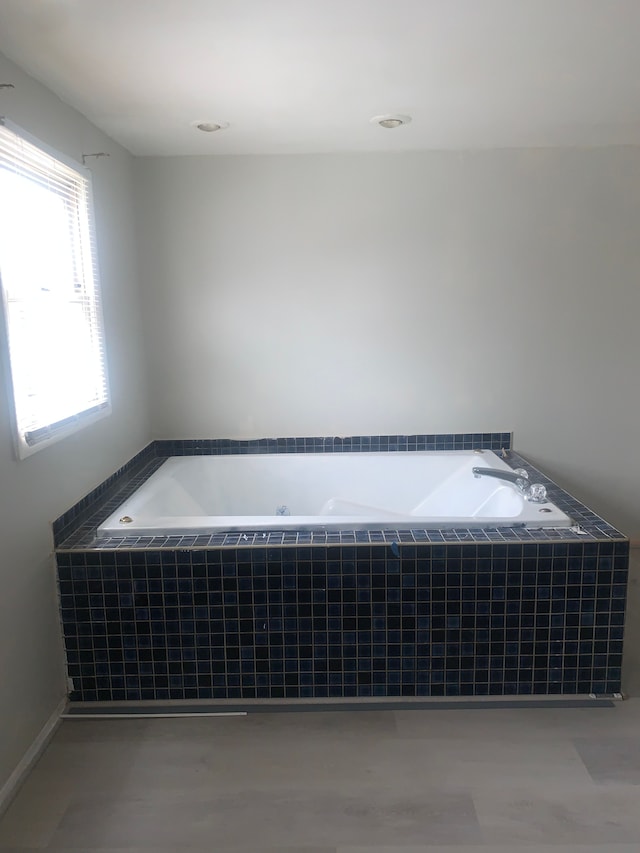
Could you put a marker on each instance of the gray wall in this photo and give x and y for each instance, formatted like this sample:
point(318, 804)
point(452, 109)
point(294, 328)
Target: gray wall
point(435, 292)
point(36, 490)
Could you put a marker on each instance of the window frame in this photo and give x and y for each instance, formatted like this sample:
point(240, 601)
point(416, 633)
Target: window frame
point(28, 442)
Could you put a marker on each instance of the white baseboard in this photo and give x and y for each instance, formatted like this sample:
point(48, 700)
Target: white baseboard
point(12, 785)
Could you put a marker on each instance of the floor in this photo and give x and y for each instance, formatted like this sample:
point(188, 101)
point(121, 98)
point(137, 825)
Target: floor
point(481, 780)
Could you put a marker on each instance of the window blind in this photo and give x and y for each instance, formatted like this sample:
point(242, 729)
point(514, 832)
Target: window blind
point(50, 284)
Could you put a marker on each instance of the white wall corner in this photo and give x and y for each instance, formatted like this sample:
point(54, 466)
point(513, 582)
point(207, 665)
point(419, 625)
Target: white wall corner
point(31, 756)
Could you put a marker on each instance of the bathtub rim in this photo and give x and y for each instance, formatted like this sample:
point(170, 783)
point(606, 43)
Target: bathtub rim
point(379, 518)
point(75, 529)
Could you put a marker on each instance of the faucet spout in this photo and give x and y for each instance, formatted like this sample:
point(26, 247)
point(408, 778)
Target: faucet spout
point(519, 477)
point(534, 492)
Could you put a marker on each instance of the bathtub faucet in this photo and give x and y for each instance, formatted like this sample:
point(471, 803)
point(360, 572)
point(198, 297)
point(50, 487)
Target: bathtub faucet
point(534, 492)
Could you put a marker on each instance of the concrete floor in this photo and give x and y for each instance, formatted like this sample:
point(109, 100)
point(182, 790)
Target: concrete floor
point(527, 780)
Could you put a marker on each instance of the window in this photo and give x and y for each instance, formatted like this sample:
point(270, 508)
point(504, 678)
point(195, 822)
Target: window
point(51, 300)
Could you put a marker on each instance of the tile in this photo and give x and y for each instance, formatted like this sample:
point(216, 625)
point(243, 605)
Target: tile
point(342, 622)
point(88, 766)
point(36, 811)
point(264, 752)
point(284, 818)
point(115, 731)
point(522, 724)
point(611, 759)
point(580, 815)
point(631, 654)
point(232, 767)
point(75, 530)
point(470, 765)
point(440, 645)
point(287, 782)
point(199, 758)
point(335, 724)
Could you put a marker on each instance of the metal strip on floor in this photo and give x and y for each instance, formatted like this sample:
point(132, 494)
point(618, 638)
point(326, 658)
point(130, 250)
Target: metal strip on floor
point(133, 711)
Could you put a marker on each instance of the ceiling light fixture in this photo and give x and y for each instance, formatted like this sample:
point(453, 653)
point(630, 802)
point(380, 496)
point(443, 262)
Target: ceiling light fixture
point(210, 126)
point(390, 121)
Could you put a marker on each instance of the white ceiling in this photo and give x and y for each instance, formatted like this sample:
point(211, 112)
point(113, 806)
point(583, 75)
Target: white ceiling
point(296, 76)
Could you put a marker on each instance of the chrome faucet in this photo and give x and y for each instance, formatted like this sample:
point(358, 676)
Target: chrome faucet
point(534, 492)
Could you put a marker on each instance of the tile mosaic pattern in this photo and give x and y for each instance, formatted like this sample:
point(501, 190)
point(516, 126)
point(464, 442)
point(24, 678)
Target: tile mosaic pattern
point(337, 444)
point(589, 526)
point(375, 620)
point(130, 476)
point(279, 614)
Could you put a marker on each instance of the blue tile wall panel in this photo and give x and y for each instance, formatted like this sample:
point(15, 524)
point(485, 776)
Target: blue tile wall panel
point(349, 621)
point(337, 444)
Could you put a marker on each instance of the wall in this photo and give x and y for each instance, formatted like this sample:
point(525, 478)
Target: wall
point(36, 490)
point(402, 293)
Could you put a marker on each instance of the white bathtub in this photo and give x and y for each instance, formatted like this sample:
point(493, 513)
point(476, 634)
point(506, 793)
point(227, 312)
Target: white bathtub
point(339, 491)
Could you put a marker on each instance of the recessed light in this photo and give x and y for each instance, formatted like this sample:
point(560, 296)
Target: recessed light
point(390, 121)
point(210, 126)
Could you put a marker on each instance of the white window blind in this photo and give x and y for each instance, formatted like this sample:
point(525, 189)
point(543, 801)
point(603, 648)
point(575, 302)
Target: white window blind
point(49, 277)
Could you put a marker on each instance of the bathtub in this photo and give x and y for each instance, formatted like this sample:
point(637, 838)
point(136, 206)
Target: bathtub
point(337, 491)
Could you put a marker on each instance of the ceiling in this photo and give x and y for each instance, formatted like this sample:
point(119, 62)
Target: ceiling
point(294, 76)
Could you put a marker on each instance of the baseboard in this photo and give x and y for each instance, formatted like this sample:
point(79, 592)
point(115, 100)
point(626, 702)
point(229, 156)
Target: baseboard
point(13, 783)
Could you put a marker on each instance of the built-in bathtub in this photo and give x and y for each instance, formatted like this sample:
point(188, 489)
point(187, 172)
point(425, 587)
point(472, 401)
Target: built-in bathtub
point(394, 608)
point(345, 491)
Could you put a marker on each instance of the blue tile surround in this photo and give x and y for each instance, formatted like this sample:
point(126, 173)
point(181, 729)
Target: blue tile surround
point(371, 613)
